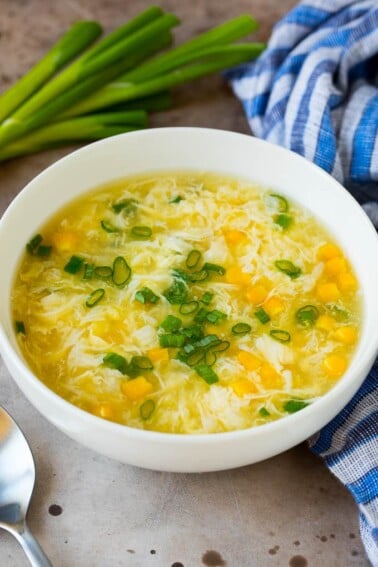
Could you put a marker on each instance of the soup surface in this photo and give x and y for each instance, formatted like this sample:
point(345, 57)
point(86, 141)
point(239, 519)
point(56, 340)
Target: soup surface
point(186, 303)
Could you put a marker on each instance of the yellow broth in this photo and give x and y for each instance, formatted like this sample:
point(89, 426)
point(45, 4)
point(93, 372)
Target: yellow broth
point(263, 333)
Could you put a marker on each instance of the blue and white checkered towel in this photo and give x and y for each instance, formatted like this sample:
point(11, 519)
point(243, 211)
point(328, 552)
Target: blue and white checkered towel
point(315, 91)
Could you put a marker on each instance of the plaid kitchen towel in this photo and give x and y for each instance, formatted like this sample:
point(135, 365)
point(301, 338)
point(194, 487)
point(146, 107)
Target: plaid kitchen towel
point(315, 91)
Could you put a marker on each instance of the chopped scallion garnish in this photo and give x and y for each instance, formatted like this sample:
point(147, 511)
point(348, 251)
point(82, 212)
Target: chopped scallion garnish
point(307, 315)
point(292, 406)
point(89, 270)
point(172, 340)
point(264, 412)
point(147, 409)
point(146, 295)
point(103, 272)
point(73, 265)
point(262, 315)
point(141, 232)
point(140, 363)
point(171, 324)
point(199, 276)
point(177, 293)
point(279, 202)
point(95, 297)
point(189, 307)
point(207, 297)
point(215, 316)
point(108, 226)
point(44, 251)
point(207, 373)
point(288, 268)
point(241, 328)
point(193, 258)
point(209, 267)
point(176, 199)
point(283, 220)
point(194, 358)
point(121, 272)
point(210, 357)
point(280, 335)
point(33, 244)
point(116, 361)
point(20, 327)
point(127, 206)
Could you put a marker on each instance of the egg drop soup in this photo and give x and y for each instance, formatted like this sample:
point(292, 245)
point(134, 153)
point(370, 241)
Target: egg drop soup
point(186, 303)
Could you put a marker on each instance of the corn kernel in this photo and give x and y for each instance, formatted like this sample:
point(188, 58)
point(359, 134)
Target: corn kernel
point(248, 360)
point(270, 377)
point(256, 294)
point(334, 365)
point(274, 305)
point(328, 251)
point(65, 241)
point(346, 335)
point(335, 266)
point(327, 292)
point(158, 355)
point(137, 388)
point(347, 282)
point(325, 323)
point(243, 387)
point(234, 275)
point(234, 237)
point(104, 410)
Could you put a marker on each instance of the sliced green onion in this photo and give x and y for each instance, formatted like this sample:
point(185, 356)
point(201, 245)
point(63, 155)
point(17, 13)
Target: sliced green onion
point(176, 199)
point(215, 316)
point(146, 295)
point(292, 406)
point(33, 244)
point(172, 340)
point(264, 412)
point(209, 267)
point(177, 293)
point(281, 336)
point(288, 268)
point(95, 297)
point(73, 265)
point(116, 361)
point(147, 409)
point(194, 358)
point(141, 231)
point(280, 202)
point(207, 297)
point(108, 226)
point(121, 271)
point(241, 328)
point(89, 270)
point(171, 323)
point(262, 316)
point(207, 373)
point(127, 206)
point(193, 258)
point(201, 315)
point(44, 251)
point(199, 276)
point(220, 347)
point(103, 272)
point(283, 220)
point(208, 341)
point(189, 308)
point(210, 357)
point(307, 315)
point(194, 332)
point(20, 327)
point(141, 363)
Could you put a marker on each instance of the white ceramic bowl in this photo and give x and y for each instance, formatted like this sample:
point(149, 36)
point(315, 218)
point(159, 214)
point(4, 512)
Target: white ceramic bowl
point(190, 149)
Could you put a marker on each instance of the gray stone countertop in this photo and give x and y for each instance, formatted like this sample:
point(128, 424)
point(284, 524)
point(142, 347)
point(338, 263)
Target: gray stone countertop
point(90, 511)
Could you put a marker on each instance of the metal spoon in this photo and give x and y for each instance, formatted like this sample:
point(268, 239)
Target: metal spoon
point(17, 476)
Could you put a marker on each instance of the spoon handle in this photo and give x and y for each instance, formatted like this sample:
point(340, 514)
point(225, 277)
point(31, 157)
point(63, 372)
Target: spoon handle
point(31, 547)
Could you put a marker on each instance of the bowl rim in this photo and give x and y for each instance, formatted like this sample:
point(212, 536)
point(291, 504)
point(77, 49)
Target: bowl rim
point(7, 349)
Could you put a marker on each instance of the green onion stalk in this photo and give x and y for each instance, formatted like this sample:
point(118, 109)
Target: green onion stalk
point(79, 92)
